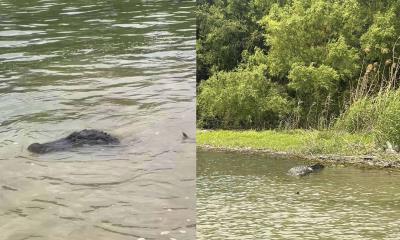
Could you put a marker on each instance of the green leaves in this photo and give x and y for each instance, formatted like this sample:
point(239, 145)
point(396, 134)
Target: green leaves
point(298, 62)
point(310, 80)
point(314, 87)
point(308, 32)
point(225, 29)
point(381, 35)
point(343, 58)
point(379, 115)
point(220, 43)
point(241, 99)
point(387, 127)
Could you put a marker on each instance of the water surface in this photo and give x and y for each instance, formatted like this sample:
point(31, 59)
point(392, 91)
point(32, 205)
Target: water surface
point(252, 197)
point(125, 67)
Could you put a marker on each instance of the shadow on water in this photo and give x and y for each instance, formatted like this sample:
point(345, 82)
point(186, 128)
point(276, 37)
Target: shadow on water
point(125, 67)
point(253, 197)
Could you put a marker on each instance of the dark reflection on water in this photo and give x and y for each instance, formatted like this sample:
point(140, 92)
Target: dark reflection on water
point(252, 197)
point(126, 67)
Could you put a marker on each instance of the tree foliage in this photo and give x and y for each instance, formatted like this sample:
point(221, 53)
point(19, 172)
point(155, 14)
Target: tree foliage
point(314, 54)
point(241, 99)
point(383, 33)
point(308, 31)
point(224, 30)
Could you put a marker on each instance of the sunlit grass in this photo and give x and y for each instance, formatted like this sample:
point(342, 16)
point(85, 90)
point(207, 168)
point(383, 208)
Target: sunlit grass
point(293, 141)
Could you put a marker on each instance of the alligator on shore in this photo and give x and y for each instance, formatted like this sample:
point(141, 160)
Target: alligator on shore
point(305, 170)
point(75, 139)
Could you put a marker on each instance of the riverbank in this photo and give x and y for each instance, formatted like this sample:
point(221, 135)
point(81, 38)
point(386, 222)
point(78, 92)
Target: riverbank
point(324, 146)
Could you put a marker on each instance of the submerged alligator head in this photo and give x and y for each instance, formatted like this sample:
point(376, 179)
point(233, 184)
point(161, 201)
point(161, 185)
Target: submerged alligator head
point(75, 139)
point(305, 170)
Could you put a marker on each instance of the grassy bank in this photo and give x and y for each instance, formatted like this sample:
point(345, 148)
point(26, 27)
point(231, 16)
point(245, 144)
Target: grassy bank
point(293, 141)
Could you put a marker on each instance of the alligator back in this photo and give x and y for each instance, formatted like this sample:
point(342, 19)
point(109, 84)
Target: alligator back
point(75, 139)
point(300, 170)
point(91, 137)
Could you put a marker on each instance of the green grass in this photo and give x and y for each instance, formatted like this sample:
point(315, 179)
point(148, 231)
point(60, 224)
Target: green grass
point(293, 141)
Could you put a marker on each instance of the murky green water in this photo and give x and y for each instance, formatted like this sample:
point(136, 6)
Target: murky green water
point(252, 197)
point(126, 67)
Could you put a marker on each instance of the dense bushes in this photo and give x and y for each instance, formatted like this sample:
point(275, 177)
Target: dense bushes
point(360, 117)
point(383, 32)
point(224, 30)
point(220, 49)
point(314, 87)
point(378, 115)
point(299, 63)
point(313, 32)
point(241, 99)
point(388, 123)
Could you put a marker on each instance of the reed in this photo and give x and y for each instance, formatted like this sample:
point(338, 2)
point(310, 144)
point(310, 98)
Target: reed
point(377, 78)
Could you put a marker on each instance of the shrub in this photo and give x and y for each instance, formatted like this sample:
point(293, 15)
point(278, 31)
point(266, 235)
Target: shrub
point(305, 32)
point(360, 117)
point(241, 99)
point(388, 123)
point(382, 34)
point(379, 115)
point(314, 87)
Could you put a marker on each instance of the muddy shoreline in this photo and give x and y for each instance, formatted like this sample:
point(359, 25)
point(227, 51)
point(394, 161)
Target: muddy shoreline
point(386, 161)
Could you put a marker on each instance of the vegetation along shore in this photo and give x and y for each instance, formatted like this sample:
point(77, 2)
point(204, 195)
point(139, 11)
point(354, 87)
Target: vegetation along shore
point(311, 76)
point(325, 146)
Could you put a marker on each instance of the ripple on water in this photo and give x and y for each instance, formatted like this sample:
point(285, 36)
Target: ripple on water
point(21, 57)
point(251, 197)
point(125, 68)
point(13, 33)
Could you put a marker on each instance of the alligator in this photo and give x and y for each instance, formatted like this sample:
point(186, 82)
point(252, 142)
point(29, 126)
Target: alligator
point(75, 139)
point(305, 169)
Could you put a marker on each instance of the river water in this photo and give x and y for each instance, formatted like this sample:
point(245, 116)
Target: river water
point(125, 67)
point(251, 197)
